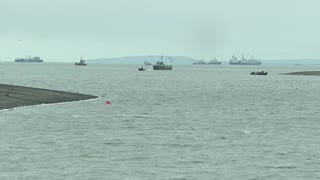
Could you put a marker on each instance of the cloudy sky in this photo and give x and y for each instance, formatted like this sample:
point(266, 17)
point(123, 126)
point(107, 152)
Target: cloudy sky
point(64, 30)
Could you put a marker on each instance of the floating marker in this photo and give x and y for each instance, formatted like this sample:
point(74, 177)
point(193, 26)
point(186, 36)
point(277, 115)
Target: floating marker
point(108, 102)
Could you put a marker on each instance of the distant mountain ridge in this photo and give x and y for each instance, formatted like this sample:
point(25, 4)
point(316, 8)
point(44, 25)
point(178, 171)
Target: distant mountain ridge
point(142, 59)
point(292, 61)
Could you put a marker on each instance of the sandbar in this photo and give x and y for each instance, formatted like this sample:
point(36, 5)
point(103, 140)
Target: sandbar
point(304, 73)
point(12, 96)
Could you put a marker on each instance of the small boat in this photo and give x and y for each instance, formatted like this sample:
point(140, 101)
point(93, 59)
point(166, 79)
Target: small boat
point(81, 63)
point(259, 73)
point(141, 69)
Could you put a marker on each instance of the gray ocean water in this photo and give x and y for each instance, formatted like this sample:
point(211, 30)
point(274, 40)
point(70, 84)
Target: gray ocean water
point(195, 122)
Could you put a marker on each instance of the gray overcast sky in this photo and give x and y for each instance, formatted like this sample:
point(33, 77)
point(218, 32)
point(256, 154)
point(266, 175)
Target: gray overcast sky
point(64, 30)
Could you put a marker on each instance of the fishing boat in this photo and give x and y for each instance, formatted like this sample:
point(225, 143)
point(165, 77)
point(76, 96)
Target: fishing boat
point(81, 63)
point(141, 69)
point(161, 66)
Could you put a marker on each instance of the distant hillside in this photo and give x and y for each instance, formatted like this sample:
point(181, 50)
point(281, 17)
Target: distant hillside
point(141, 59)
point(292, 62)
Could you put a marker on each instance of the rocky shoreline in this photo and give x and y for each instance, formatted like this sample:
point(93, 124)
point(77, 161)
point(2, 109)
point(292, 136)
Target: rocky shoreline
point(12, 96)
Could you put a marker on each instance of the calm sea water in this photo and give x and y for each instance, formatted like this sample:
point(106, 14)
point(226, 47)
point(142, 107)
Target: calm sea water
point(195, 122)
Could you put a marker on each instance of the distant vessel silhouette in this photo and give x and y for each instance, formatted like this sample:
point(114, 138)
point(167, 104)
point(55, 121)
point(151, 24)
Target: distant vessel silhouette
point(81, 63)
point(147, 63)
point(29, 59)
point(243, 61)
point(214, 61)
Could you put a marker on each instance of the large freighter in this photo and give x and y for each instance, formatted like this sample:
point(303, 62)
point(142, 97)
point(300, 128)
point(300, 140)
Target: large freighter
point(214, 61)
point(243, 61)
point(29, 59)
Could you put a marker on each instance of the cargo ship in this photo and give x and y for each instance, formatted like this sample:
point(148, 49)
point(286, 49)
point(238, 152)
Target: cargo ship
point(29, 59)
point(243, 61)
point(214, 61)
